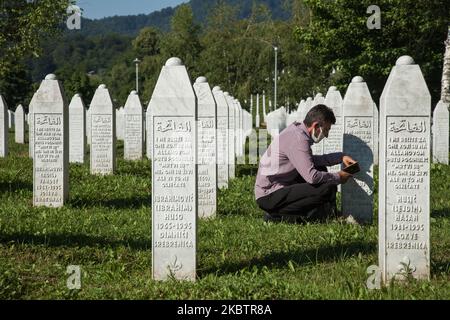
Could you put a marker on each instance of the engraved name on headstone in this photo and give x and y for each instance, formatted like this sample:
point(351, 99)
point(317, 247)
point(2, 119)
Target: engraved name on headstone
point(51, 145)
point(357, 193)
point(174, 174)
point(207, 149)
point(404, 187)
point(103, 135)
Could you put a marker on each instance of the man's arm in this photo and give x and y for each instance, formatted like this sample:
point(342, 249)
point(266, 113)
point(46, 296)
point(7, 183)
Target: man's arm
point(300, 155)
point(328, 160)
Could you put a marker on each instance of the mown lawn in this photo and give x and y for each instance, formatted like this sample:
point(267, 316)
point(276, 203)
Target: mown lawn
point(106, 229)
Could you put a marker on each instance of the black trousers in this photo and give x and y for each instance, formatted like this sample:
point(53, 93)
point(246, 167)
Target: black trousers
point(300, 199)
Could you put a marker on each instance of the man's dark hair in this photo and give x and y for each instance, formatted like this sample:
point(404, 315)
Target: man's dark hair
point(321, 114)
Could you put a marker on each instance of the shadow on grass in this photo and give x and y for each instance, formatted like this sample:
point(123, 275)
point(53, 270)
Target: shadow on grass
point(442, 213)
point(299, 257)
point(120, 203)
point(75, 240)
point(15, 186)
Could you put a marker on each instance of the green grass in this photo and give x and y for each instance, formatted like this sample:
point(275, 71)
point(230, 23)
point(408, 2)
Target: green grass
point(106, 229)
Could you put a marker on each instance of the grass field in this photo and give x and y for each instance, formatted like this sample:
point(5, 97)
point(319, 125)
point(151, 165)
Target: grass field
point(106, 229)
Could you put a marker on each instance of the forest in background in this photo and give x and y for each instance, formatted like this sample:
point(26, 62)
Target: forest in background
point(321, 43)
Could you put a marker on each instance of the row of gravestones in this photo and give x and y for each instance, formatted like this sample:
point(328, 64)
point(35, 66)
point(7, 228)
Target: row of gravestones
point(185, 165)
point(52, 140)
point(406, 135)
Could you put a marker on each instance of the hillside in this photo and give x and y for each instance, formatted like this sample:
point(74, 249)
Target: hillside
point(130, 25)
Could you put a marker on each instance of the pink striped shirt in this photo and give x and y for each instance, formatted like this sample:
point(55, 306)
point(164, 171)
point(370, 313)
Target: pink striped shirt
point(290, 155)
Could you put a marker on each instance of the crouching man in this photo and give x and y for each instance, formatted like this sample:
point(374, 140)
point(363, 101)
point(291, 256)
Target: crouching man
point(292, 184)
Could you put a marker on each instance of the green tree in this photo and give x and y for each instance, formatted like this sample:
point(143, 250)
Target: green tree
point(183, 39)
point(24, 25)
point(339, 35)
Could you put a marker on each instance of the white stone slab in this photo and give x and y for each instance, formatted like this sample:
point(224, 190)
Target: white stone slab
point(133, 117)
point(222, 138)
point(174, 180)
point(357, 193)
point(148, 134)
point(51, 145)
point(333, 143)
point(77, 130)
point(103, 135)
point(207, 149)
point(20, 125)
point(441, 133)
point(88, 126)
point(4, 127)
point(232, 137)
point(376, 136)
point(404, 187)
point(11, 119)
point(30, 127)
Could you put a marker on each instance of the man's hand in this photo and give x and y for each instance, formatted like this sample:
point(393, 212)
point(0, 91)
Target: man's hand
point(348, 161)
point(344, 176)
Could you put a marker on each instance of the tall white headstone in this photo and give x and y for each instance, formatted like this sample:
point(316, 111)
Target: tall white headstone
point(174, 174)
point(207, 149)
point(11, 119)
point(31, 127)
point(51, 145)
point(232, 137)
point(103, 135)
point(376, 135)
point(333, 143)
point(4, 127)
point(77, 130)
point(258, 120)
point(20, 125)
point(404, 188)
point(88, 126)
point(148, 133)
point(357, 193)
point(441, 133)
point(134, 128)
point(222, 138)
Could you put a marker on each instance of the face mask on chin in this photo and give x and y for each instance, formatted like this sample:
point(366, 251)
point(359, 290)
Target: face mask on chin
point(319, 138)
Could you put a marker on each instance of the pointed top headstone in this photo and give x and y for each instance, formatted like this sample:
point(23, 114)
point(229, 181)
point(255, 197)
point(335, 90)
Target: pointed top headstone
point(50, 76)
point(201, 80)
point(404, 61)
point(174, 62)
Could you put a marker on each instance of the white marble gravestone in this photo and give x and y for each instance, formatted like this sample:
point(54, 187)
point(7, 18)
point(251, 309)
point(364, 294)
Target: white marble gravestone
point(20, 125)
point(51, 145)
point(133, 117)
point(441, 133)
point(174, 174)
point(88, 126)
point(120, 124)
point(103, 135)
point(30, 127)
point(207, 149)
point(77, 130)
point(11, 119)
point(404, 187)
point(376, 135)
point(333, 143)
point(4, 128)
point(232, 137)
point(358, 126)
point(222, 138)
point(148, 133)
point(257, 117)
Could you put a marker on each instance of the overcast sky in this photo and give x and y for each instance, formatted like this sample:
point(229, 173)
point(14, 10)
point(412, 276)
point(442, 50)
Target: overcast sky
point(96, 9)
